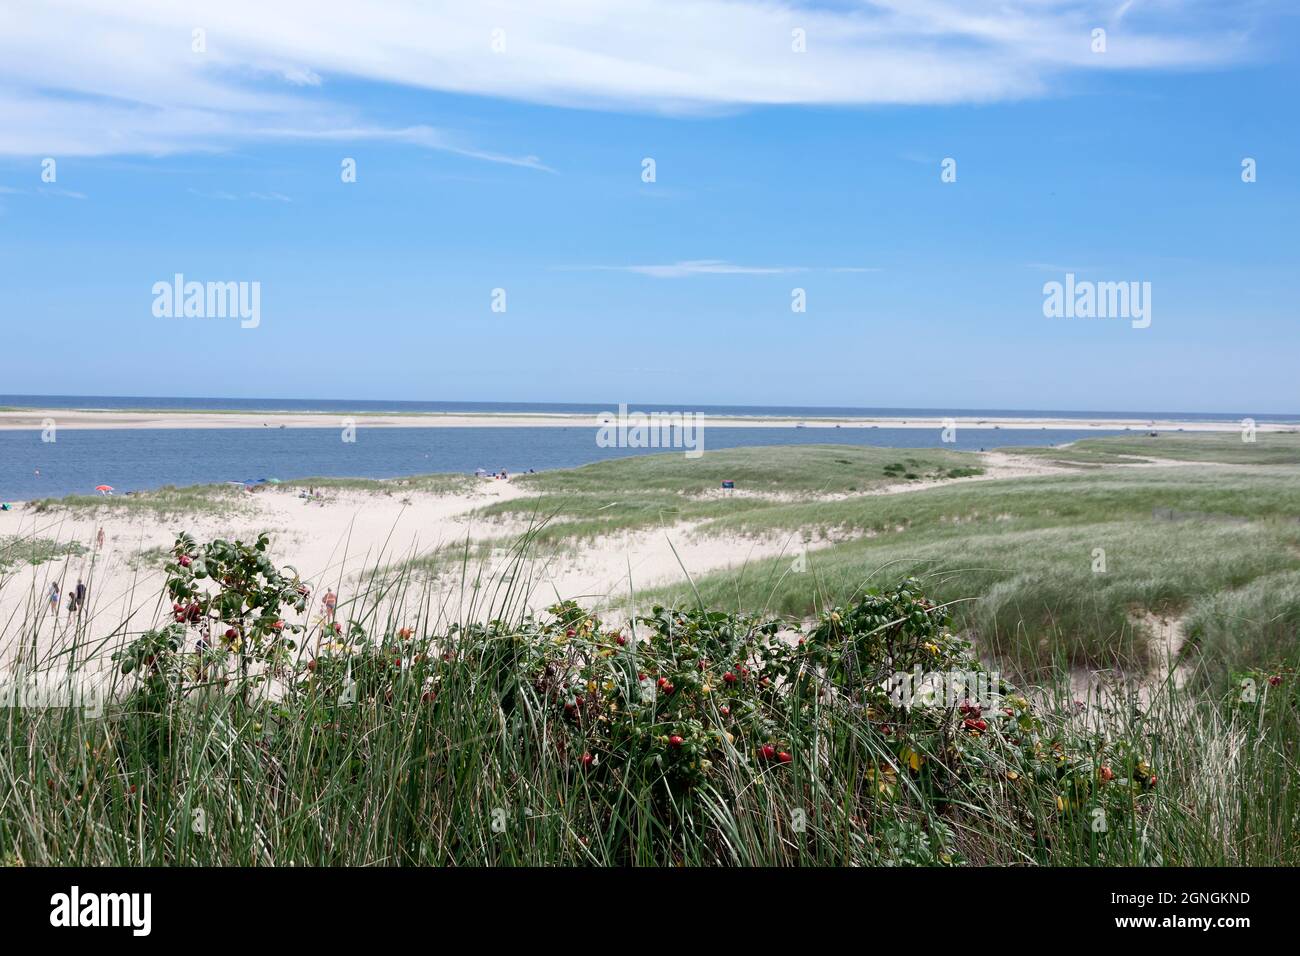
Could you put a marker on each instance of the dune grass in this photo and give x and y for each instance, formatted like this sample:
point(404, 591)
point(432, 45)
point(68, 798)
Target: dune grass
point(162, 503)
point(1031, 597)
point(471, 751)
point(1052, 571)
point(435, 484)
point(569, 507)
point(171, 502)
point(1053, 568)
point(782, 469)
point(651, 490)
point(26, 549)
point(1268, 448)
point(1257, 623)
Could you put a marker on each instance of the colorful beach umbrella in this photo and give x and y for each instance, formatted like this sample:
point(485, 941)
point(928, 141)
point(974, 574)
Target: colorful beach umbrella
point(103, 489)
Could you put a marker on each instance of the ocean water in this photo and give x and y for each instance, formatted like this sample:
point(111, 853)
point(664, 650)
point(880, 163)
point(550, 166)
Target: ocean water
point(132, 460)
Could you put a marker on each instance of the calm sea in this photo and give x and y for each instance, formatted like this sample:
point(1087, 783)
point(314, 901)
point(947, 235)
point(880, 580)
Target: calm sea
point(142, 459)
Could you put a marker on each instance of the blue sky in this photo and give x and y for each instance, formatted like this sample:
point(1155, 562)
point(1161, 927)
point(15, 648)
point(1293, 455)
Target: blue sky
point(522, 170)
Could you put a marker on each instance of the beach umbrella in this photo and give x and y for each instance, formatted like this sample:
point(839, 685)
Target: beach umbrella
point(103, 489)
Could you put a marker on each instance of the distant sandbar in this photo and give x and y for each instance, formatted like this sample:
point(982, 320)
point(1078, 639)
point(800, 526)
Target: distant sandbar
point(31, 419)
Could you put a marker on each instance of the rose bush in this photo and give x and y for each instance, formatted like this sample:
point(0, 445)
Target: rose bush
point(678, 718)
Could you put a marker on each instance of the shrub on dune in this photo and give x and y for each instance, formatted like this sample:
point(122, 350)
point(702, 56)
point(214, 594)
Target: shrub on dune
point(686, 736)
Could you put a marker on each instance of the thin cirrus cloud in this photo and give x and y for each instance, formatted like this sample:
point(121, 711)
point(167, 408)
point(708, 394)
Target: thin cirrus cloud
point(95, 77)
point(1053, 267)
point(225, 196)
point(43, 191)
point(715, 267)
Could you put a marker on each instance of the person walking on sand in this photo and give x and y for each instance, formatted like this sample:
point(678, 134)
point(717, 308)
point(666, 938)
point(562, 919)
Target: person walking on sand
point(54, 599)
point(99, 540)
point(328, 602)
point(81, 594)
point(72, 606)
point(200, 652)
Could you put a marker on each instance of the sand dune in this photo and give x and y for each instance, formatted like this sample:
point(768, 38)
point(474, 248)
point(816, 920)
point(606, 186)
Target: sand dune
point(337, 542)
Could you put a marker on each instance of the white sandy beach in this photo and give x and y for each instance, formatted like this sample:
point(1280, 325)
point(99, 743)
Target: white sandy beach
point(333, 545)
point(37, 418)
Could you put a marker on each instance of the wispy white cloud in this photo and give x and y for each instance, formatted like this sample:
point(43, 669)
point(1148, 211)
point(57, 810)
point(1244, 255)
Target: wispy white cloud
point(714, 267)
point(222, 195)
point(96, 77)
point(43, 191)
point(1053, 267)
point(425, 136)
point(218, 194)
point(61, 193)
point(707, 267)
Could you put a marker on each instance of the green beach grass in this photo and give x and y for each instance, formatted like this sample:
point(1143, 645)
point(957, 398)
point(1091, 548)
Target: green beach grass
point(1268, 448)
point(535, 743)
point(166, 502)
point(653, 490)
point(1021, 555)
point(17, 550)
point(1055, 571)
point(420, 741)
point(567, 508)
point(1025, 555)
point(435, 484)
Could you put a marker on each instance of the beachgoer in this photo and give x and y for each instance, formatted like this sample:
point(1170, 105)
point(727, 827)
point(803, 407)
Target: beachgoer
point(72, 605)
point(99, 540)
point(328, 602)
point(201, 647)
point(54, 599)
point(81, 594)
